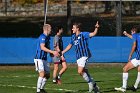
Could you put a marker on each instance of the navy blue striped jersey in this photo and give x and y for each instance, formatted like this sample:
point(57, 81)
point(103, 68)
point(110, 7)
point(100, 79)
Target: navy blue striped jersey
point(40, 54)
point(136, 38)
point(81, 44)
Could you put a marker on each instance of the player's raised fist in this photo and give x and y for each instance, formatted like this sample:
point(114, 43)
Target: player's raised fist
point(124, 32)
point(97, 24)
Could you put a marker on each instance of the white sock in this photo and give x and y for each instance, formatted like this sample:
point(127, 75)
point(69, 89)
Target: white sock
point(125, 77)
point(43, 83)
point(87, 77)
point(91, 79)
point(90, 86)
point(137, 81)
point(39, 83)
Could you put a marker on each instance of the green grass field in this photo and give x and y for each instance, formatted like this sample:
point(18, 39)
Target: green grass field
point(22, 79)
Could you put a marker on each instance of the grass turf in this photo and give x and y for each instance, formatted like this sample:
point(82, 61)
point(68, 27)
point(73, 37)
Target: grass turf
point(22, 79)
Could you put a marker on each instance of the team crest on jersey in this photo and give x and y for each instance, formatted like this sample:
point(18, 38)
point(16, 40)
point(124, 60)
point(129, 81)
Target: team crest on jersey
point(79, 37)
point(43, 39)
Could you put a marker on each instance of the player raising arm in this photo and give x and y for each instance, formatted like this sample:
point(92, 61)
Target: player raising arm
point(132, 63)
point(80, 41)
point(133, 31)
point(40, 60)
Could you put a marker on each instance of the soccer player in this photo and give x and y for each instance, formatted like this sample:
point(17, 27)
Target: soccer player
point(132, 63)
point(80, 41)
point(40, 59)
point(58, 46)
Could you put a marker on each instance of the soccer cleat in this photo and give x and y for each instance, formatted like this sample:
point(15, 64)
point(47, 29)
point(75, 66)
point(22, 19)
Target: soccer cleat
point(133, 89)
point(121, 89)
point(58, 81)
point(54, 82)
point(96, 88)
point(42, 91)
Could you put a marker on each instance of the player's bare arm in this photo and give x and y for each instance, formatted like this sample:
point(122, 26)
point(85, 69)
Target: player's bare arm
point(95, 30)
point(126, 34)
point(132, 51)
point(67, 48)
point(55, 53)
point(57, 48)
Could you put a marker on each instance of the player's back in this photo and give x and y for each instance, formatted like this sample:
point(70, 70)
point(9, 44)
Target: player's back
point(137, 38)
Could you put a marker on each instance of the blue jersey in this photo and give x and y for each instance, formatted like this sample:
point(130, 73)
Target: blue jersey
point(81, 44)
point(136, 38)
point(40, 54)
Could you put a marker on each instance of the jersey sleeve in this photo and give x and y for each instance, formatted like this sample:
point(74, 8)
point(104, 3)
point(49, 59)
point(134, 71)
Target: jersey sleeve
point(86, 34)
point(42, 39)
point(134, 37)
point(71, 41)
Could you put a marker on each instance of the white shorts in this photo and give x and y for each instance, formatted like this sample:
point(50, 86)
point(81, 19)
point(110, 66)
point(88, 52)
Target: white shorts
point(42, 65)
point(135, 62)
point(82, 61)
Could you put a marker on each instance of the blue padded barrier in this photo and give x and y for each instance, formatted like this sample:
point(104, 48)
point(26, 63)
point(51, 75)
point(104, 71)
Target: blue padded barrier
point(103, 49)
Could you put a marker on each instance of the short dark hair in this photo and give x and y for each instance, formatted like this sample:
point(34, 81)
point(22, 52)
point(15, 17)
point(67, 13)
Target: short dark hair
point(136, 28)
point(58, 28)
point(78, 25)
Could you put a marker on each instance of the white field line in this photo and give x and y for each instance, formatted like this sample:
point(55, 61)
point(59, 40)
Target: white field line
point(20, 86)
point(17, 76)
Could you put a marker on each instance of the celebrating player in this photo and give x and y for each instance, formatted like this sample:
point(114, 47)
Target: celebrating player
point(132, 63)
point(41, 56)
point(58, 46)
point(80, 41)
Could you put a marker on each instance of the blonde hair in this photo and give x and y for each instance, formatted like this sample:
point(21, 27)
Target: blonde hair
point(46, 26)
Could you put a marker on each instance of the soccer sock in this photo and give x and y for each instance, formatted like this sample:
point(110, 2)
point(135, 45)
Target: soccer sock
point(125, 77)
point(39, 83)
point(54, 79)
point(137, 81)
point(43, 83)
point(91, 79)
point(59, 76)
point(87, 77)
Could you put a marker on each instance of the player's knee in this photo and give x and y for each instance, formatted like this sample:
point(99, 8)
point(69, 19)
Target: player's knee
point(138, 68)
point(125, 70)
point(42, 74)
point(65, 67)
point(80, 72)
point(56, 68)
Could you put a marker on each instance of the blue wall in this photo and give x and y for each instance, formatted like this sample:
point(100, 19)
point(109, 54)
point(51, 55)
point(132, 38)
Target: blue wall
point(103, 49)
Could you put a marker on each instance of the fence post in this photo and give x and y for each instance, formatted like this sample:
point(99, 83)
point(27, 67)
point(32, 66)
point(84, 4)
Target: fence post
point(118, 18)
point(69, 15)
point(5, 2)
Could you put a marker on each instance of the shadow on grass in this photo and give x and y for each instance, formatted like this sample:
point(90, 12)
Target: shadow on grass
point(109, 90)
point(79, 82)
